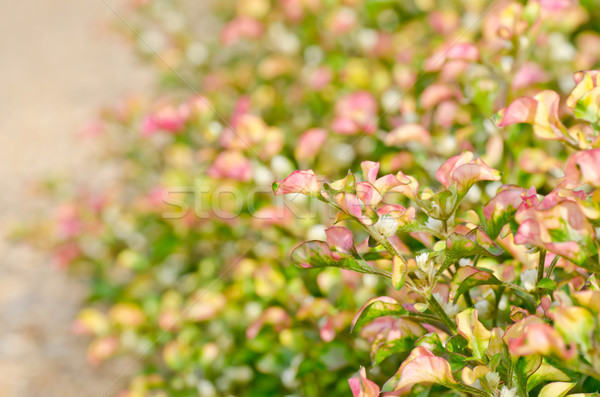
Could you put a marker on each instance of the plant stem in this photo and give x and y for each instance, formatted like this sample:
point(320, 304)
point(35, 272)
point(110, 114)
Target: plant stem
point(552, 266)
point(468, 299)
point(435, 306)
point(541, 263)
point(383, 241)
point(540, 274)
point(469, 389)
point(371, 230)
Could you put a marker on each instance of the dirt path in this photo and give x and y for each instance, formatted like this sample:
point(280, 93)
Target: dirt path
point(57, 67)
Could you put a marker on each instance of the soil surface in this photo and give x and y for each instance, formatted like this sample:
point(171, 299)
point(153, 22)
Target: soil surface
point(59, 64)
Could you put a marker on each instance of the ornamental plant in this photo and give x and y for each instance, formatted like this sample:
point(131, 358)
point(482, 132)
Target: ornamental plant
point(491, 300)
point(439, 240)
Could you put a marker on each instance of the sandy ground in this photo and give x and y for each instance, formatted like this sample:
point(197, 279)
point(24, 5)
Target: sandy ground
point(57, 66)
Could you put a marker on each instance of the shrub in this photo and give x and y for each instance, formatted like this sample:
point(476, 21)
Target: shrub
point(187, 249)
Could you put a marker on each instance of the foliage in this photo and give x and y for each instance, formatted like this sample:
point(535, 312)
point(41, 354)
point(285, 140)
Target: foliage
point(473, 256)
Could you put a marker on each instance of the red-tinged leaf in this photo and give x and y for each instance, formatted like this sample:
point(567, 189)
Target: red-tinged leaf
point(530, 336)
point(369, 170)
point(408, 133)
point(480, 277)
point(368, 194)
point(389, 182)
point(556, 5)
point(540, 110)
point(312, 254)
point(304, 182)
point(361, 386)
point(399, 337)
point(340, 238)
point(350, 204)
point(475, 242)
point(575, 324)
point(469, 174)
point(317, 254)
point(421, 366)
point(377, 307)
point(462, 273)
point(521, 110)
point(583, 167)
point(463, 170)
point(444, 173)
point(310, 143)
point(502, 208)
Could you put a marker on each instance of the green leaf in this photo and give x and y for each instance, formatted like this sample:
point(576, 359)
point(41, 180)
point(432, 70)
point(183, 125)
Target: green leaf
point(375, 308)
point(439, 204)
point(348, 185)
point(476, 242)
point(545, 373)
point(457, 346)
point(432, 342)
point(412, 227)
point(495, 225)
point(381, 351)
point(590, 384)
point(461, 274)
point(588, 106)
point(481, 277)
point(547, 283)
point(477, 336)
point(453, 350)
point(387, 306)
point(331, 192)
point(523, 367)
point(317, 254)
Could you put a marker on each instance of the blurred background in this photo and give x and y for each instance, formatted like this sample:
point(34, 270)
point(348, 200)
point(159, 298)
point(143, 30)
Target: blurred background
point(60, 62)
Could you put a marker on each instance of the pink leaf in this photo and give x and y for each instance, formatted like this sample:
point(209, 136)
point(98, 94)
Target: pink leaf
point(408, 133)
point(310, 143)
point(304, 182)
point(422, 366)
point(340, 238)
point(434, 94)
point(361, 386)
point(231, 164)
point(509, 197)
point(521, 110)
point(583, 167)
point(530, 73)
point(464, 171)
point(556, 5)
point(350, 204)
point(369, 170)
point(368, 194)
point(537, 338)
